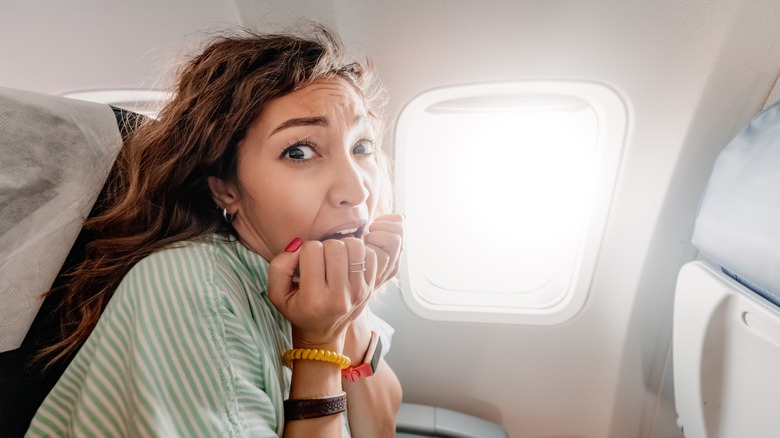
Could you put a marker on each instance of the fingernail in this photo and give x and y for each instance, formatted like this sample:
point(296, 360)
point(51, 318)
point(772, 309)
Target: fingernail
point(294, 245)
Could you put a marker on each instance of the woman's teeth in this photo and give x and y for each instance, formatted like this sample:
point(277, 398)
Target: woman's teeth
point(349, 232)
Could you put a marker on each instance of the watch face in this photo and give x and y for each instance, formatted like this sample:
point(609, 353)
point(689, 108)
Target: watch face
point(377, 354)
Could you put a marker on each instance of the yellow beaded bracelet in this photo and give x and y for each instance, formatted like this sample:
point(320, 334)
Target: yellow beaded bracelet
point(311, 354)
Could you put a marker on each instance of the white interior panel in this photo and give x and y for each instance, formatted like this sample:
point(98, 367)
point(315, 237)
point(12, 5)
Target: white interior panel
point(727, 347)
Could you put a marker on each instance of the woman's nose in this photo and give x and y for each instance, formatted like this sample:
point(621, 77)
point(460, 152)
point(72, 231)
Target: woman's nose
point(349, 184)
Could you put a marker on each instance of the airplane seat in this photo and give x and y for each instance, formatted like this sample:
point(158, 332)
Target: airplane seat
point(56, 155)
point(415, 420)
point(726, 333)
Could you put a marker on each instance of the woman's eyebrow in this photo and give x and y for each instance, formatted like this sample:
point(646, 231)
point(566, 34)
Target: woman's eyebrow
point(302, 121)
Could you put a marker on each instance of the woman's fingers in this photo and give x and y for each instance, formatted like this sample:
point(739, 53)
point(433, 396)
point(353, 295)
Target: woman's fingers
point(280, 277)
point(336, 277)
point(360, 271)
point(312, 267)
point(391, 217)
point(336, 259)
point(387, 247)
point(372, 268)
point(386, 237)
point(348, 270)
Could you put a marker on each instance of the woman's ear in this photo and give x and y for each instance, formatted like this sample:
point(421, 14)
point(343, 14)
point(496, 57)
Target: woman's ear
point(224, 193)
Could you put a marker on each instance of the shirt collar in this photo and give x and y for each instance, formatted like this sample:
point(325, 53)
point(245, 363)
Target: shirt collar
point(254, 263)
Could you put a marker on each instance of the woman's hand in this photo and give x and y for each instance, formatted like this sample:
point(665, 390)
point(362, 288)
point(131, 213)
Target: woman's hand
point(385, 238)
point(337, 278)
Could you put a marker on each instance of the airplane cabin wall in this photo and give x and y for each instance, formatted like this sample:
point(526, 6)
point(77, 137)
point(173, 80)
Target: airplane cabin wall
point(691, 74)
point(59, 47)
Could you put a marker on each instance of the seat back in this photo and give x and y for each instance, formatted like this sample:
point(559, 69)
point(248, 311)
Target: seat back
point(726, 341)
point(55, 156)
point(738, 226)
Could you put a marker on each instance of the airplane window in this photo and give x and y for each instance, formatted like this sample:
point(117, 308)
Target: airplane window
point(506, 189)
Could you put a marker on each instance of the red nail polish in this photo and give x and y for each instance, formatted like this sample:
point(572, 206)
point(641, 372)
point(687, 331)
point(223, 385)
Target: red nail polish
point(294, 245)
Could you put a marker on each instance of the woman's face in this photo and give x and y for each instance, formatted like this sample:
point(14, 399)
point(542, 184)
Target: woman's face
point(307, 169)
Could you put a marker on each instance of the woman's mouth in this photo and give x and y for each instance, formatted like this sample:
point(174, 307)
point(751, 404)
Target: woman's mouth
point(356, 232)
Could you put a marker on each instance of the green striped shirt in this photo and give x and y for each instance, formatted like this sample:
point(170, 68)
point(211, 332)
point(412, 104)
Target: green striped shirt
point(189, 345)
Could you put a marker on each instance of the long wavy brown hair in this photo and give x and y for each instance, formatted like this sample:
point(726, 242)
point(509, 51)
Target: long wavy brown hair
point(158, 194)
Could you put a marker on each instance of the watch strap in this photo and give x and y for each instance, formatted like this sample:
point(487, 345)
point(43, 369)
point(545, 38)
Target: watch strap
point(370, 361)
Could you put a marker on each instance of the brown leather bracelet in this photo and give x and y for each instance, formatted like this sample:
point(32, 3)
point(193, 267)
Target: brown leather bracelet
point(315, 407)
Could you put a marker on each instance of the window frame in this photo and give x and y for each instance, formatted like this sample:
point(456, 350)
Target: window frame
point(612, 118)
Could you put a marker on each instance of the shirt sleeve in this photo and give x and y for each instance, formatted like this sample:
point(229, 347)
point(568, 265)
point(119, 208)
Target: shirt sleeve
point(170, 357)
point(198, 367)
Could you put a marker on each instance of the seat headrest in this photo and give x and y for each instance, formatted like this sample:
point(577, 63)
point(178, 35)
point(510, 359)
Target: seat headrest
point(738, 226)
point(55, 155)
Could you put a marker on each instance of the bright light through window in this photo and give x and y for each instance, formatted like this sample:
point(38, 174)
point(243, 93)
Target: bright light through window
point(501, 185)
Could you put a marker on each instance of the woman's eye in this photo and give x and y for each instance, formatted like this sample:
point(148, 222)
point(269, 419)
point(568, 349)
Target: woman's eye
point(299, 152)
point(363, 147)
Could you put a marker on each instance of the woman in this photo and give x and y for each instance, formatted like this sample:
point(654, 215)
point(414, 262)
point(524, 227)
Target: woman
point(243, 233)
